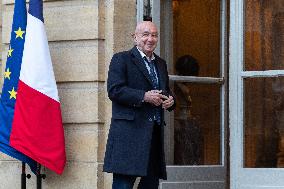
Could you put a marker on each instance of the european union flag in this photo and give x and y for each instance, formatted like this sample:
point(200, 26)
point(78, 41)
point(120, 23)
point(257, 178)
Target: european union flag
point(31, 126)
point(11, 79)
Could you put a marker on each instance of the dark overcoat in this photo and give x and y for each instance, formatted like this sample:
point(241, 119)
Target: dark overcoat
point(130, 134)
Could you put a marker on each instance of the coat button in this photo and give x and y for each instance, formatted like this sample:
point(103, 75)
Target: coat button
point(150, 119)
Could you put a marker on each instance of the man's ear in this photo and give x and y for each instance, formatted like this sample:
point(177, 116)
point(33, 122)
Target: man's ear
point(134, 37)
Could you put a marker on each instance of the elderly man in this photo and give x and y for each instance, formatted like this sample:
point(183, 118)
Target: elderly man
point(138, 86)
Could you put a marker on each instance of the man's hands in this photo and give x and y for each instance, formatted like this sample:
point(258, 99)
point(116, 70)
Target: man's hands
point(156, 98)
point(168, 102)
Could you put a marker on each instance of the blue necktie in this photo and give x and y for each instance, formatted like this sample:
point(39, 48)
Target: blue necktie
point(155, 82)
point(153, 74)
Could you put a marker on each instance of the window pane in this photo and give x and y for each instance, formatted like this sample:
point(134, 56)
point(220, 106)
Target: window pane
point(196, 32)
point(264, 35)
point(264, 122)
point(196, 124)
point(147, 10)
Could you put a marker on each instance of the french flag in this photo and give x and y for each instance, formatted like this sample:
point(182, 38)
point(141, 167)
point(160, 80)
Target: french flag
point(36, 129)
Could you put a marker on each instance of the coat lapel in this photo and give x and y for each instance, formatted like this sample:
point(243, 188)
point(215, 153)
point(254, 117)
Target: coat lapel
point(138, 60)
point(161, 71)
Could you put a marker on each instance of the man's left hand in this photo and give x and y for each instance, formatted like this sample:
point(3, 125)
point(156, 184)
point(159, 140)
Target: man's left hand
point(168, 102)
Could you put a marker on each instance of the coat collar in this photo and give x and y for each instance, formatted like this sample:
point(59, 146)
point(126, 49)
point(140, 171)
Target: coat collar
point(138, 60)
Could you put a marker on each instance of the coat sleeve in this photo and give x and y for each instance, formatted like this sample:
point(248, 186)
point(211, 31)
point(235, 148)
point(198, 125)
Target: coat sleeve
point(118, 90)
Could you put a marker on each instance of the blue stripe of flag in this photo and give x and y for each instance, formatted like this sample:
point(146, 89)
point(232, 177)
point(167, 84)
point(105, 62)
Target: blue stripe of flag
point(35, 9)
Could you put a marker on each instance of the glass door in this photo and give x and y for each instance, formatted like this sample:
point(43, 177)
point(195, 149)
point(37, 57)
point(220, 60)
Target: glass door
point(257, 94)
point(193, 42)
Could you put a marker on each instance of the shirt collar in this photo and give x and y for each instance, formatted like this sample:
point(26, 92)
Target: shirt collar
point(144, 55)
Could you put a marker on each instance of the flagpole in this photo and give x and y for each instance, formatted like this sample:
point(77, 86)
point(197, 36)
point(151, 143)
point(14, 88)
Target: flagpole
point(39, 176)
point(24, 176)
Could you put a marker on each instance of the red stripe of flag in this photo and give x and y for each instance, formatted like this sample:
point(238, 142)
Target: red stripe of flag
point(37, 128)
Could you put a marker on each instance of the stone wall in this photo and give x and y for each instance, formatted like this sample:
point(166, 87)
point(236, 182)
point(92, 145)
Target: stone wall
point(82, 36)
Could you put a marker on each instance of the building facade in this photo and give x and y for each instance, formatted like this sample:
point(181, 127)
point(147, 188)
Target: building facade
point(226, 65)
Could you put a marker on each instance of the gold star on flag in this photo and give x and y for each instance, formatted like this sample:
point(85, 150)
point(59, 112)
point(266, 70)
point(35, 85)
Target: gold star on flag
point(19, 33)
point(13, 93)
point(7, 73)
point(10, 51)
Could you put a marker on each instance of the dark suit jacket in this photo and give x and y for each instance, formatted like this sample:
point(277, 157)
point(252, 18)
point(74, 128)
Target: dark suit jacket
point(130, 133)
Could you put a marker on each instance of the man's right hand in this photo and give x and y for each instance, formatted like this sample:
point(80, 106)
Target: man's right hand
point(154, 97)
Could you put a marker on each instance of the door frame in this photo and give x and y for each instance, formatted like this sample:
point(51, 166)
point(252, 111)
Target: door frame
point(193, 175)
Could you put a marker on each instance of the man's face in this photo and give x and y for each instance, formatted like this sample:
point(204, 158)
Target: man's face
point(146, 37)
